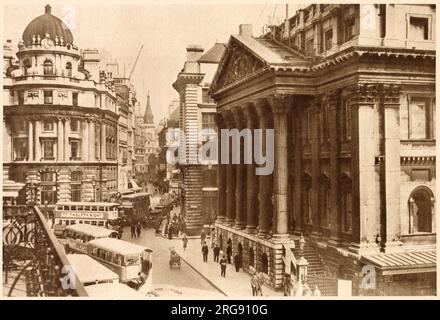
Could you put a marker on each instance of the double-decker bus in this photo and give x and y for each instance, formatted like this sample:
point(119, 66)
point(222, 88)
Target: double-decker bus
point(93, 213)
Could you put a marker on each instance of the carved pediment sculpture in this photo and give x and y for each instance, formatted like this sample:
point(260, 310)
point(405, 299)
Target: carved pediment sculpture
point(239, 64)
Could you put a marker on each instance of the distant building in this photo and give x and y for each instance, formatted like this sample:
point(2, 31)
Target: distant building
point(197, 112)
point(349, 90)
point(60, 118)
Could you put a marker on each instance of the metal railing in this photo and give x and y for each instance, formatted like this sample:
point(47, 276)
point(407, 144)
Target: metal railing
point(34, 257)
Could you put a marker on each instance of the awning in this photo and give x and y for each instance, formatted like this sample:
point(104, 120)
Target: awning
point(11, 188)
point(403, 262)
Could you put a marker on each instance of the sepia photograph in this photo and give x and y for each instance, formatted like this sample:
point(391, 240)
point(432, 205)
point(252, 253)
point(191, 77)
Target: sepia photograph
point(218, 150)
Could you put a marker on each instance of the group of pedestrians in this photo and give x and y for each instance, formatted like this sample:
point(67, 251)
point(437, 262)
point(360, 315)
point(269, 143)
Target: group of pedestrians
point(292, 287)
point(136, 230)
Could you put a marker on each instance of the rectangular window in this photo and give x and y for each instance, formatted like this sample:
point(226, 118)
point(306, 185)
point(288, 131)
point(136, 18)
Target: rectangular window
point(48, 97)
point(420, 114)
point(48, 149)
point(74, 149)
point(310, 47)
point(206, 98)
point(20, 98)
point(74, 125)
point(75, 99)
point(20, 125)
point(48, 125)
point(349, 29)
point(48, 187)
point(75, 187)
point(21, 148)
point(328, 39)
point(418, 28)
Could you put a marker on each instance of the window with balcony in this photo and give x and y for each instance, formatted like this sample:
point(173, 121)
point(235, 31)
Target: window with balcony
point(421, 125)
point(69, 69)
point(48, 68)
point(418, 28)
point(48, 149)
point(26, 65)
point(48, 187)
point(20, 98)
point(74, 125)
point(75, 99)
point(75, 150)
point(328, 39)
point(48, 125)
point(349, 29)
point(20, 149)
point(48, 97)
point(75, 186)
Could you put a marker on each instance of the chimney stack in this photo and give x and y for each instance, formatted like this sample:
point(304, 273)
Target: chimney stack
point(193, 54)
point(245, 30)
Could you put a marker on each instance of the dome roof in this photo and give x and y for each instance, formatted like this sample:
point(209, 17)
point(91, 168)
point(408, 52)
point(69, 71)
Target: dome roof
point(47, 24)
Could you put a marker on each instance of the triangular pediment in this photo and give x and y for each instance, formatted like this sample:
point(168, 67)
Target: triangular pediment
point(238, 62)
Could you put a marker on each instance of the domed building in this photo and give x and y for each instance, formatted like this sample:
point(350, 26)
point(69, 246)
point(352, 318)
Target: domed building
point(60, 118)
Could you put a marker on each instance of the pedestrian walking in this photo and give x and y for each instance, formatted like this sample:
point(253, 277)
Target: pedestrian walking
point(260, 283)
point(170, 232)
point(133, 231)
point(223, 263)
point(229, 250)
point(138, 229)
point(237, 262)
point(317, 292)
point(120, 232)
point(216, 252)
point(184, 242)
point(202, 237)
point(205, 251)
point(286, 285)
point(254, 284)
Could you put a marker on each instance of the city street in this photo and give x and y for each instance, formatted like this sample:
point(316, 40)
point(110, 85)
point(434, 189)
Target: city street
point(172, 282)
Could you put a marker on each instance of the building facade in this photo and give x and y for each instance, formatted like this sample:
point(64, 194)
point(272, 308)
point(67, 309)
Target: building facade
point(351, 99)
point(60, 118)
point(197, 112)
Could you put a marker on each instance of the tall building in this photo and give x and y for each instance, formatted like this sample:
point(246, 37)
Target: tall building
point(350, 93)
point(60, 118)
point(197, 112)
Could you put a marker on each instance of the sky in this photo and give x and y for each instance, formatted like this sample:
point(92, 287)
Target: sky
point(163, 28)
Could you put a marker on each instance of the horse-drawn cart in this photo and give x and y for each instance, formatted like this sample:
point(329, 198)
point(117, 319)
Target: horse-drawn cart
point(174, 259)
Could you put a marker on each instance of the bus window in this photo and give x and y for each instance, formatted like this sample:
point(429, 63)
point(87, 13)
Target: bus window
point(66, 208)
point(102, 254)
point(72, 221)
point(73, 208)
point(94, 223)
point(80, 221)
point(94, 208)
point(87, 208)
point(117, 259)
point(100, 223)
point(87, 222)
point(101, 208)
point(131, 260)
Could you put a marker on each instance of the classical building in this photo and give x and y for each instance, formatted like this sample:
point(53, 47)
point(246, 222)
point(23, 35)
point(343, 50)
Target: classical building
point(350, 93)
point(197, 112)
point(60, 118)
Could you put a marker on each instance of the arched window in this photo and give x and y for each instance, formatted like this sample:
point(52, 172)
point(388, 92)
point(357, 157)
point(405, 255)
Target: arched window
point(421, 203)
point(48, 67)
point(264, 263)
point(69, 69)
point(26, 65)
point(251, 257)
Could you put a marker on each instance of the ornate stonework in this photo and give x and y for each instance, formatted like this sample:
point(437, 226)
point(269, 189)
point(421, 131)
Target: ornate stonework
point(239, 64)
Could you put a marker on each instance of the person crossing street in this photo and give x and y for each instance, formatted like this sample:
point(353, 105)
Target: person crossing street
point(223, 264)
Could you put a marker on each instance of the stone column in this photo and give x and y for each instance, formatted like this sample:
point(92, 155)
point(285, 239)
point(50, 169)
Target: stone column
point(280, 108)
point(299, 107)
point(363, 151)
point(66, 156)
point(391, 108)
point(230, 179)
point(60, 140)
point(30, 140)
point(315, 148)
point(91, 140)
point(240, 174)
point(333, 100)
point(8, 152)
point(221, 174)
point(85, 140)
point(265, 182)
point(103, 142)
point(251, 178)
point(37, 139)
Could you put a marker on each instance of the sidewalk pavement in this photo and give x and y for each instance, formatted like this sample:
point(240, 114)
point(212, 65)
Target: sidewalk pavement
point(235, 284)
